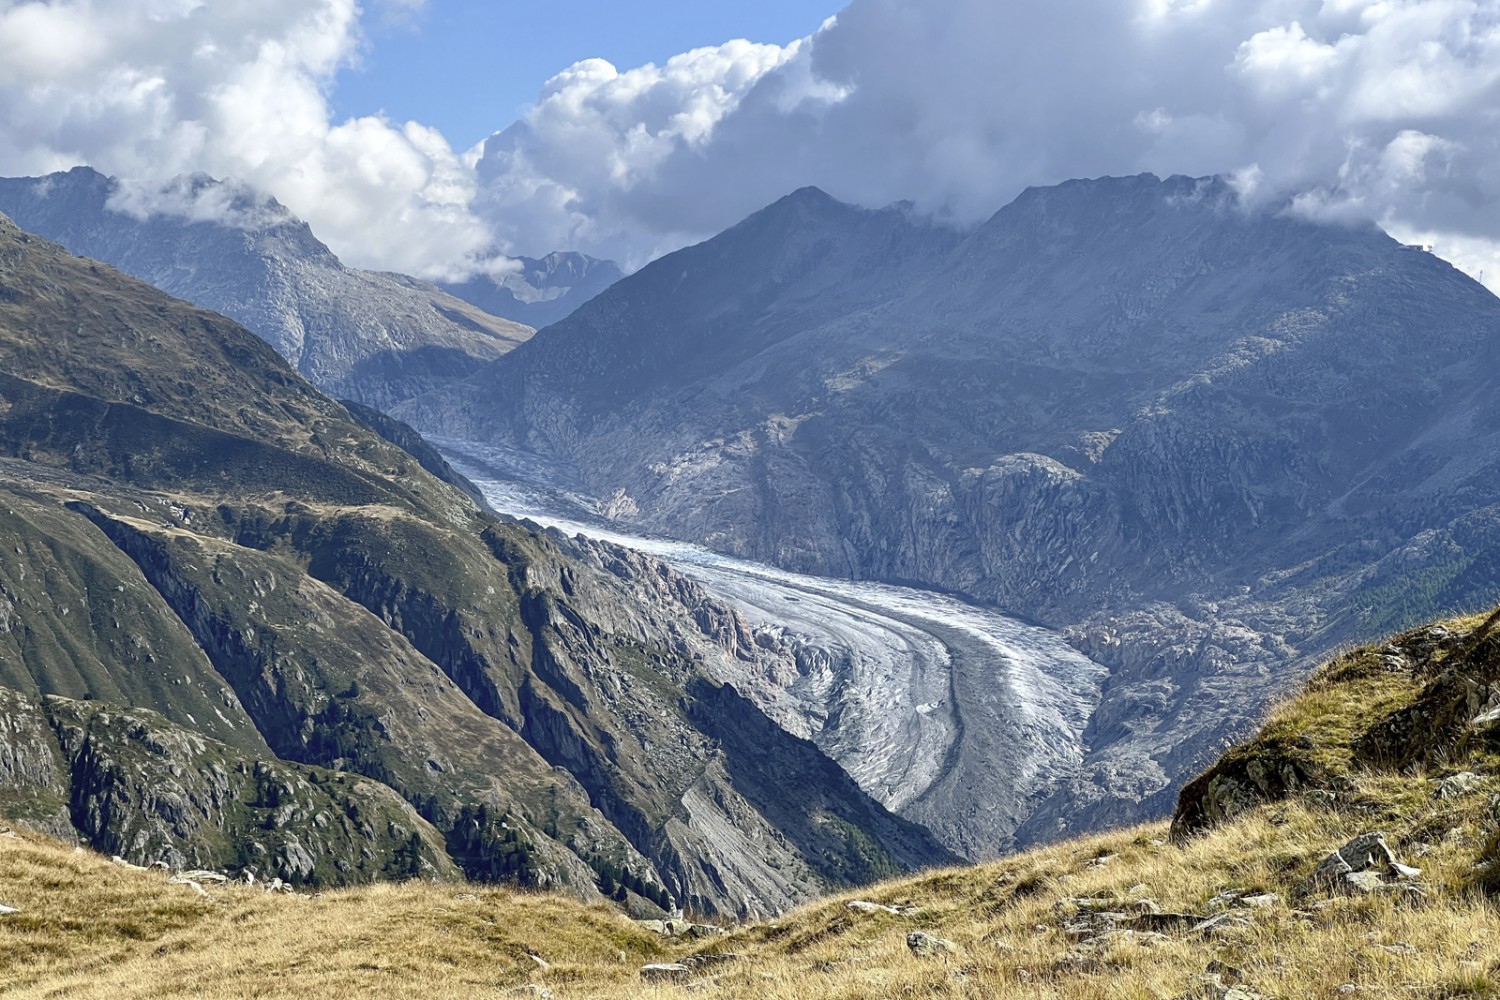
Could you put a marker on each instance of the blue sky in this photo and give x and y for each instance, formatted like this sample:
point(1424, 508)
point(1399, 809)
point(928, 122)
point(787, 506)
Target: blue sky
point(468, 66)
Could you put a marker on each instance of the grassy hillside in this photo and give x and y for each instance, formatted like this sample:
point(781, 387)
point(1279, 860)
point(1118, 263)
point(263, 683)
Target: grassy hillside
point(1221, 903)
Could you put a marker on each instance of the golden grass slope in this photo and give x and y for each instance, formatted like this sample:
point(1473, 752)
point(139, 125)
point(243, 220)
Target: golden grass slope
point(87, 928)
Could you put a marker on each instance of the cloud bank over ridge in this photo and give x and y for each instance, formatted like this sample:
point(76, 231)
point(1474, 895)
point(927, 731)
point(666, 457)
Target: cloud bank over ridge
point(1381, 109)
point(1378, 109)
point(149, 90)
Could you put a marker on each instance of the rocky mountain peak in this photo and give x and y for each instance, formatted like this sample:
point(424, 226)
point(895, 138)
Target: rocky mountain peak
point(373, 337)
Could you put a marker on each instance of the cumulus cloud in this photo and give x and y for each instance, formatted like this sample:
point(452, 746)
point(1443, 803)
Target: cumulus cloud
point(1383, 109)
point(155, 90)
point(570, 172)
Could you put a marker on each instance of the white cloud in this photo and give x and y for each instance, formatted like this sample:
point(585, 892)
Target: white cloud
point(151, 90)
point(1386, 109)
point(567, 173)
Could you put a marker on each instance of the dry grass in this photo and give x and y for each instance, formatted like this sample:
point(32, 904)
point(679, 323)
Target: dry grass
point(88, 928)
point(91, 929)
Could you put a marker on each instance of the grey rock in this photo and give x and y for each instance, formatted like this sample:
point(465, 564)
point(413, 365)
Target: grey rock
point(1361, 883)
point(667, 972)
point(1456, 786)
point(865, 906)
point(7, 910)
point(926, 945)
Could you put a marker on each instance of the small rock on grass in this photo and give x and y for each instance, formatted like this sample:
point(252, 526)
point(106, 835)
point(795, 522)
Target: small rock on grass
point(6, 910)
point(666, 972)
point(195, 886)
point(865, 906)
point(926, 945)
point(1227, 973)
point(1456, 786)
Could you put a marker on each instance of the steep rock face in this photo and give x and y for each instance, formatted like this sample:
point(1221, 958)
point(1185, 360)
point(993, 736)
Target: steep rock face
point(538, 292)
point(146, 789)
point(34, 783)
point(134, 784)
point(192, 530)
point(374, 337)
point(1208, 442)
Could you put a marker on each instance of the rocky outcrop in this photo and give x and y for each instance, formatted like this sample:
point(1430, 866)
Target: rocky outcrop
point(1426, 699)
point(131, 783)
point(150, 791)
point(34, 781)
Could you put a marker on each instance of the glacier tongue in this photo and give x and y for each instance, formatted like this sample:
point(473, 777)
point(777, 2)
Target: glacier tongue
point(954, 715)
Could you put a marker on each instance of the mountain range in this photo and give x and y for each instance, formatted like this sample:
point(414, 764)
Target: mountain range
point(1208, 442)
point(374, 337)
point(1204, 442)
point(538, 292)
point(240, 628)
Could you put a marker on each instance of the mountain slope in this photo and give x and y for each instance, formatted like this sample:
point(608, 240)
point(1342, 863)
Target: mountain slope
point(198, 533)
point(541, 291)
point(374, 337)
point(1211, 444)
point(1362, 877)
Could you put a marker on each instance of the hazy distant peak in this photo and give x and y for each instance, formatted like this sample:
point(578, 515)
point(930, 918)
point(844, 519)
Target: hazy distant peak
point(537, 291)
